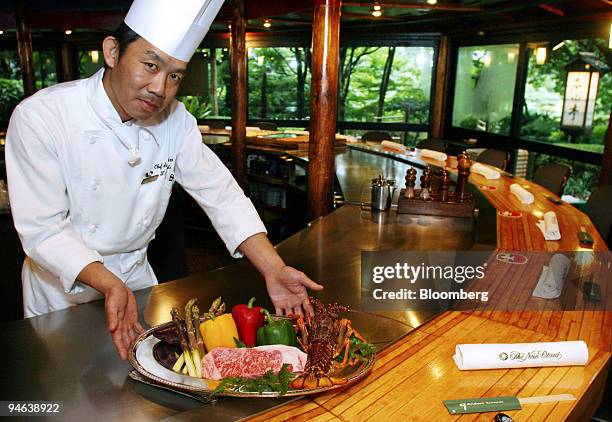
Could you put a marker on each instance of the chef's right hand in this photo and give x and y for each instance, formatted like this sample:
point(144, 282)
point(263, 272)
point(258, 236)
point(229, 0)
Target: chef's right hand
point(122, 317)
point(119, 303)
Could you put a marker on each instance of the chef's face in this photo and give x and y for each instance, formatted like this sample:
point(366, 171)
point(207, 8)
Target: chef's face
point(143, 80)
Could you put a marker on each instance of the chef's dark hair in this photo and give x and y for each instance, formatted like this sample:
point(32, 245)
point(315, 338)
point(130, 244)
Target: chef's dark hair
point(124, 36)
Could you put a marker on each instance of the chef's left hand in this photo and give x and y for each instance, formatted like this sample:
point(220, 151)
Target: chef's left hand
point(287, 289)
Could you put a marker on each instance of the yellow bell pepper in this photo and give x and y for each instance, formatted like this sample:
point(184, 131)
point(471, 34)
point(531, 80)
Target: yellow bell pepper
point(219, 332)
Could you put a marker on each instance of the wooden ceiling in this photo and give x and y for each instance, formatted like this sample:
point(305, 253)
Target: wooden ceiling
point(446, 16)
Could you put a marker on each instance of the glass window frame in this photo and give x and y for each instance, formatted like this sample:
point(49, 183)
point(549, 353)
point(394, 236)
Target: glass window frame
point(513, 141)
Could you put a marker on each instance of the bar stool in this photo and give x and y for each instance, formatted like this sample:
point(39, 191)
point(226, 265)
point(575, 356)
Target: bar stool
point(267, 125)
point(598, 209)
point(432, 144)
point(553, 177)
point(376, 136)
point(494, 157)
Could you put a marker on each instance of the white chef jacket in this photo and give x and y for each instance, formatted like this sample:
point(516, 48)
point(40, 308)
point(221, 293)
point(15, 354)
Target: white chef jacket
point(85, 187)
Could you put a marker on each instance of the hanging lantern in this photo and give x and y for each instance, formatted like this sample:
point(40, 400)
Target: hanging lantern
point(580, 93)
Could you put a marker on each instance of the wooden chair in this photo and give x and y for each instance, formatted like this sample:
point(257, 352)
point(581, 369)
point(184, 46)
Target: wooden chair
point(432, 144)
point(215, 124)
point(267, 125)
point(598, 209)
point(376, 136)
point(553, 177)
point(494, 157)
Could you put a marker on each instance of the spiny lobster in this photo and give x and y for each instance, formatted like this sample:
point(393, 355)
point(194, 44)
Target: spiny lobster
point(323, 336)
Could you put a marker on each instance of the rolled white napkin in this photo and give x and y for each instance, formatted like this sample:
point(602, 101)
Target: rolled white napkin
point(393, 145)
point(440, 156)
point(525, 196)
point(485, 171)
point(521, 355)
point(549, 226)
point(552, 278)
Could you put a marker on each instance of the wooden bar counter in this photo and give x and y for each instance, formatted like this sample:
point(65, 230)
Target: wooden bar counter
point(68, 355)
point(413, 376)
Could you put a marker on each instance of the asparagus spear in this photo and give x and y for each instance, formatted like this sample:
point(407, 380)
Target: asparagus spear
point(196, 322)
point(183, 339)
point(179, 363)
point(215, 306)
point(191, 335)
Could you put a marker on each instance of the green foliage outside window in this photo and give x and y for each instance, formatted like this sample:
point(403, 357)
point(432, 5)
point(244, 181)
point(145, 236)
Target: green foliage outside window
point(544, 97)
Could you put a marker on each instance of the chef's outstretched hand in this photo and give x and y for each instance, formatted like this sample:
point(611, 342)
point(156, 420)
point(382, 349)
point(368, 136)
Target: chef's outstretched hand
point(119, 304)
point(287, 289)
point(122, 318)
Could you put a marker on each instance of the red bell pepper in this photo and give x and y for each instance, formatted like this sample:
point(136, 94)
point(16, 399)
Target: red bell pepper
point(248, 319)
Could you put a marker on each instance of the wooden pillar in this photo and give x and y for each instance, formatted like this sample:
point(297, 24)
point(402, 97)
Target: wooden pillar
point(323, 105)
point(239, 92)
point(605, 175)
point(67, 62)
point(24, 49)
point(440, 89)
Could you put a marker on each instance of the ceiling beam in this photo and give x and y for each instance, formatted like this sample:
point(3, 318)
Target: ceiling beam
point(367, 16)
point(446, 7)
point(294, 21)
point(552, 9)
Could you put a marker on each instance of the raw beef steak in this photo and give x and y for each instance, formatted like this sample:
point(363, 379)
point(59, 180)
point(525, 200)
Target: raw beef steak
point(224, 362)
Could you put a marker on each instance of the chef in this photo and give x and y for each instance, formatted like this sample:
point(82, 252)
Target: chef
point(91, 165)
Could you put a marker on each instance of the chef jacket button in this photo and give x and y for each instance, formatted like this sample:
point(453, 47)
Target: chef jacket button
point(92, 228)
point(146, 222)
point(146, 136)
point(92, 140)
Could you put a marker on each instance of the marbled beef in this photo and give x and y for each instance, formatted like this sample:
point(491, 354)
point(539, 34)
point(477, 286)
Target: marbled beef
point(224, 362)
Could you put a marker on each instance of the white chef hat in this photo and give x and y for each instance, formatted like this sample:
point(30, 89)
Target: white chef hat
point(176, 27)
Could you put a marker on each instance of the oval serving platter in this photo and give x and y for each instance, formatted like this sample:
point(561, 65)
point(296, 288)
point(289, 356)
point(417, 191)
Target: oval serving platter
point(143, 354)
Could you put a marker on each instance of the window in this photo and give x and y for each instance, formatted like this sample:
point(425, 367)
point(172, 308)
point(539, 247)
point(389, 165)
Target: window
point(11, 84)
point(385, 84)
point(45, 68)
point(90, 61)
point(484, 87)
point(279, 83)
point(206, 89)
point(544, 92)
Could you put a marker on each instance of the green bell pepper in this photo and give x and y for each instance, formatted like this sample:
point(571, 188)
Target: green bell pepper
point(276, 332)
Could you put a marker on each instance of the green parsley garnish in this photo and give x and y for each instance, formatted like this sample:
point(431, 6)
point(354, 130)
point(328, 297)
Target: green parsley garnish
point(266, 383)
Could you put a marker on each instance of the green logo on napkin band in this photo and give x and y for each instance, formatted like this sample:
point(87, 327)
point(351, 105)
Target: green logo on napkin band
point(533, 355)
point(482, 404)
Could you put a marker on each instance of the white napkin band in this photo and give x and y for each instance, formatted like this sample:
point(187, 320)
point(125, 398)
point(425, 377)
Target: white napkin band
point(393, 145)
point(521, 355)
point(440, 156)
point(523, 195)
point(485, 171)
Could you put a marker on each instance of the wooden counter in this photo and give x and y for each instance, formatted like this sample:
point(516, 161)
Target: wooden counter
point(412, 377)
